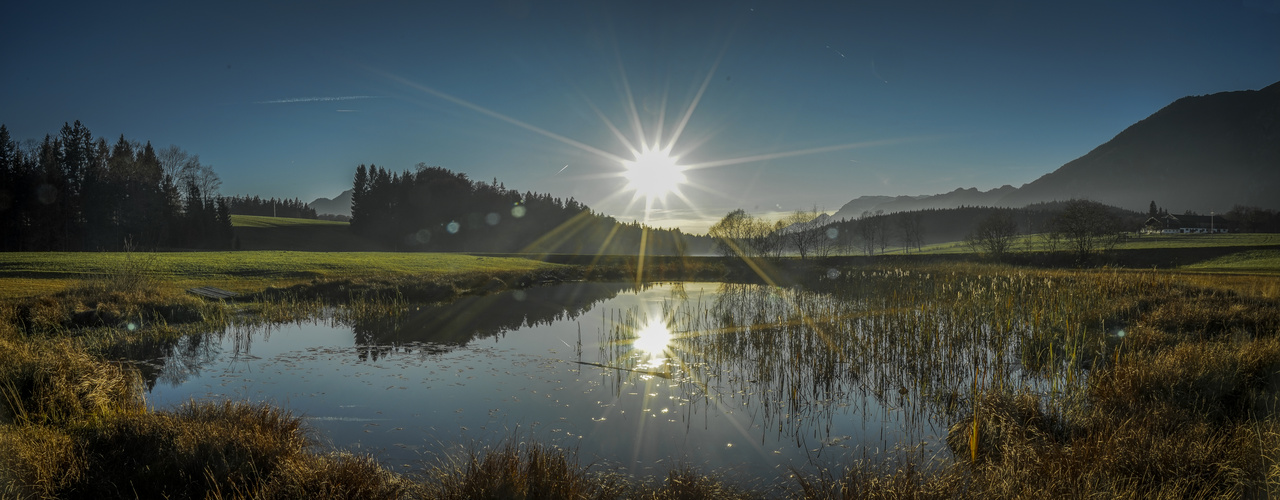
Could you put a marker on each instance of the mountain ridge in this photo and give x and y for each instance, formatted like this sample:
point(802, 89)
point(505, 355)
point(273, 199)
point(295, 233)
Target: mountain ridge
point(1204, 153)
point(339, 205)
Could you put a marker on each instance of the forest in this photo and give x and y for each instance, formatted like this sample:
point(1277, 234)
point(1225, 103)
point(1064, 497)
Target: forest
point(272, 207)
point(435, 209)
point(74, 192)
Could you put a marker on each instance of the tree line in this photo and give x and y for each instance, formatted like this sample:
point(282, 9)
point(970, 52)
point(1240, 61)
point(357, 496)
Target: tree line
point(434, 209)
point(246, 205)
point(1080, 226)
point(73, 192)
point(1254, 219)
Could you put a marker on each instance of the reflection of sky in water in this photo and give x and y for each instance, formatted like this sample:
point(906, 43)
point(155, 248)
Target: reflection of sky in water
point(412, 400)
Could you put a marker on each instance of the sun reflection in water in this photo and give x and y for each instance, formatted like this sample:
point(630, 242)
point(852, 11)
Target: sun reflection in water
point(654, 339)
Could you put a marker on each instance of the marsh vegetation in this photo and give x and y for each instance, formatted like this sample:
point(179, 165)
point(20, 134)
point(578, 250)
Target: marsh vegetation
point(1035, 382)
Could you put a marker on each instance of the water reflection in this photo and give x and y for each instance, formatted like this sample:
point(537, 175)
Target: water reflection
point(419, 330)
point(653, 339)
point(803, 360)
point(719, 375)
point(484, 317)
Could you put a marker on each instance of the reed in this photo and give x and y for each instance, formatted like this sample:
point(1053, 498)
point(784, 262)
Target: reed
point(1135, 383)
point(1074, 383)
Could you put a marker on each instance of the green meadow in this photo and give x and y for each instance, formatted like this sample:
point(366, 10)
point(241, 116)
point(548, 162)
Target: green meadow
point(254, 232)
point(30, 274)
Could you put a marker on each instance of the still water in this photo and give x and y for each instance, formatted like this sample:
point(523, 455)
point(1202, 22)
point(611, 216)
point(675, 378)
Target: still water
point(625, 375)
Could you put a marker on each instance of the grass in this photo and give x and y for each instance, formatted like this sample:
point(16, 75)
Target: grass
point(307, 235)
point(262, 221)
point(32, 274)
point(1146, 241)
point(1133, 241)
point(1044, 397)
point(1252, 261)
point(1055, 382)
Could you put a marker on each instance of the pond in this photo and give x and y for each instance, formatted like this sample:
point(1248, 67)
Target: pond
point(726, 377)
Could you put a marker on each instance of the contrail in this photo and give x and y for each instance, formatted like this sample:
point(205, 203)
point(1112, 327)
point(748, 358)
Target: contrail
point(562, 169)
point(318, 99)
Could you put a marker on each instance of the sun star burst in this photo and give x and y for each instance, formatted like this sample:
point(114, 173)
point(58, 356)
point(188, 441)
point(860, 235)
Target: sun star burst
point(653, 173)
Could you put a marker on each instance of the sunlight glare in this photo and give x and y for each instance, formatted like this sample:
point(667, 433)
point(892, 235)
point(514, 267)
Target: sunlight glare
point(654, 173)
point(654, 338)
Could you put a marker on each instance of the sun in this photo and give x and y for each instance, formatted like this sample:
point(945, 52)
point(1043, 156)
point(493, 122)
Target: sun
point(654, 173)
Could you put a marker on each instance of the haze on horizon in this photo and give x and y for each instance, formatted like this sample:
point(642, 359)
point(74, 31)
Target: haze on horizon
point(784, 105)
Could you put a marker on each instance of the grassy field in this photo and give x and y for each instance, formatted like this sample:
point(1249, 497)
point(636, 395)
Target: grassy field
point(308, 235)
point(1252, 261)
point(29, 274)
point(1133, 241)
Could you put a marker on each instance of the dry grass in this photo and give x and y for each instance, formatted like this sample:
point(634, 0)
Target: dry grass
point(532, 470)
point(54, 383)
point(1184, 404)
point(518, 469)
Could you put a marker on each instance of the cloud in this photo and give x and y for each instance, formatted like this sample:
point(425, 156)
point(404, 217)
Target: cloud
point(319, 99)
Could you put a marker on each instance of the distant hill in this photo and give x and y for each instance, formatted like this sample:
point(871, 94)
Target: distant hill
point(337, 206)
point(1203, 153)
point(1200, 153)
point(961, 197)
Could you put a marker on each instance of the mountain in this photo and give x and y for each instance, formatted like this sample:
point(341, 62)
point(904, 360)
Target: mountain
point(1200, 153)
point(1203, 153)
point(337, 206)
point(970, 197)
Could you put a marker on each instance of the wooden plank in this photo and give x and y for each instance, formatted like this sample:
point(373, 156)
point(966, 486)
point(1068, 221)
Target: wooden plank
point(209, 292)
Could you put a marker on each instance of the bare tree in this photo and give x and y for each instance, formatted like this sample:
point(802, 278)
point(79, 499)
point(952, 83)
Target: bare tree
point(995, 234)
point(731, 233)
point(867, 233)
point(1088, 227)
point(766, 239)
point(174, 159)
point(828, 242)
point(910, 230)
point(1051, 240)
point(881, 224)
point(184, 168)
point(1029, 243)
point(740, 234)
point(802, 231)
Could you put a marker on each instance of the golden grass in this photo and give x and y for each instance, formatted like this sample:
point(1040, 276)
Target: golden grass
point(533, 470)
point(1185, 403)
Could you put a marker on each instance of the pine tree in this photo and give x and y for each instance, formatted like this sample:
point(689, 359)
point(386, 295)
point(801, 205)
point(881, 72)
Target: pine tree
point(11, 183)
point(224, 225)
point(359, 194)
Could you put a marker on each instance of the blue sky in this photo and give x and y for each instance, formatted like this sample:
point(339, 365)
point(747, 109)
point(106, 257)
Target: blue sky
point(896, 97)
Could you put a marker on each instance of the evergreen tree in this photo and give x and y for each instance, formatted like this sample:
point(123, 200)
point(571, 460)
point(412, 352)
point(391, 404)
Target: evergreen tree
point(359, 192)
point(225, 234)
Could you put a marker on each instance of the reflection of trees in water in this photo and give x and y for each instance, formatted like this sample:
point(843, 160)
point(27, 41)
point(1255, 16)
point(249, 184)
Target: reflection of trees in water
point(444, 326)
point(424, 329)
point(173, 360)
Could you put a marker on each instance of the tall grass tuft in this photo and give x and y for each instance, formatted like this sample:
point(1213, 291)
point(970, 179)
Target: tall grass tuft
point(518, 469)
point(200, 448)
point(334, 475)
point(52, 382)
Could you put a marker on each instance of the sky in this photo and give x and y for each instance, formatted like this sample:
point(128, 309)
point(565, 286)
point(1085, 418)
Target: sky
point(772, 106)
